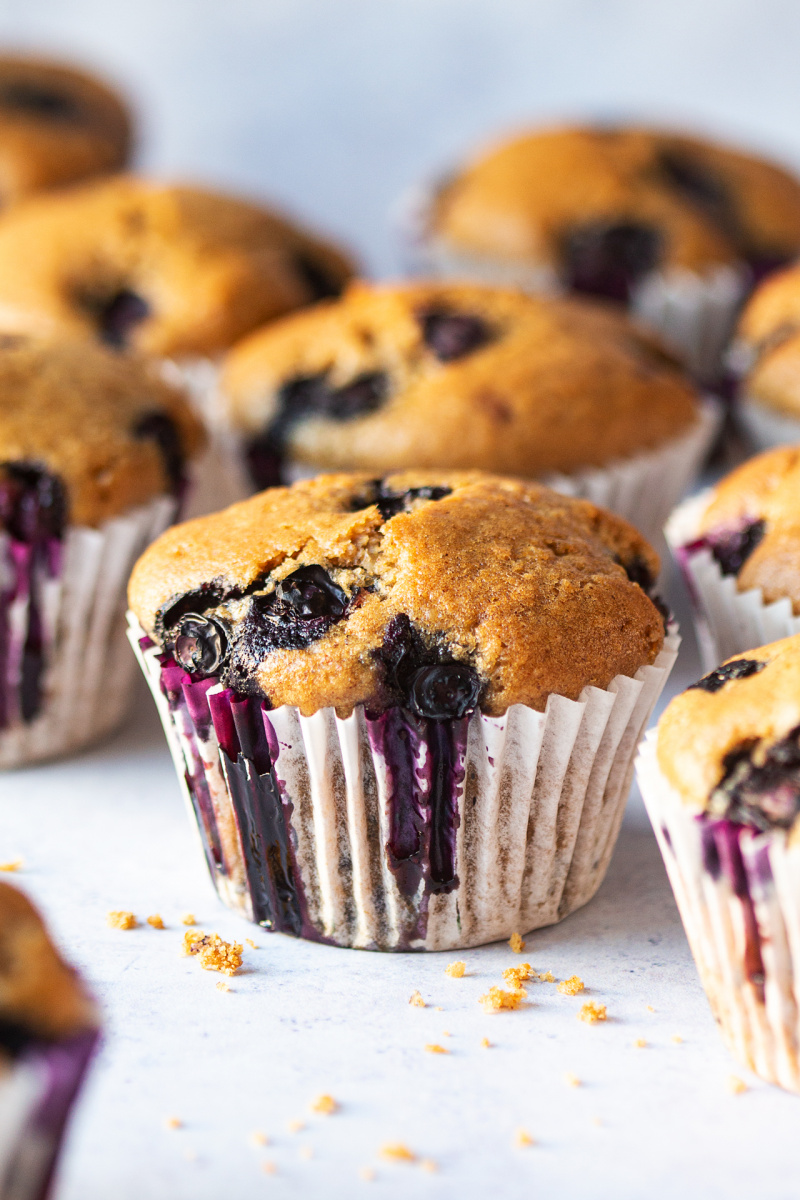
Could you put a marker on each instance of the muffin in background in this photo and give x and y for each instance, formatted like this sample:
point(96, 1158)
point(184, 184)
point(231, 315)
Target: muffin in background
point(461, 376)
point(58, 125)
point(95, 453)
point(766, 355)
point(674, 226)
point(404, 709)
point(721, 781)
point(48, 1030)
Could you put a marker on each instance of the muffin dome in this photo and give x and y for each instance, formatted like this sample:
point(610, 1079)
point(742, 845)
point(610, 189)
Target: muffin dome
point(167, 270)
point(453, 376)
point(57, 125)
point(769, 337)
point(442, 592)
point(89, 432)
point(601, 207)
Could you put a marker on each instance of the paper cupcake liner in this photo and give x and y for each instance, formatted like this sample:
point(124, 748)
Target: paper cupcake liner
point(397, 833)
point(764, 428)
point(62, 626)
point(36, 1096)
point(694, 314)
point(738, 893)
point(726, 620)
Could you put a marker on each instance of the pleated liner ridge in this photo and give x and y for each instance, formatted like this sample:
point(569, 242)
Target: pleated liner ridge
point(398, 833)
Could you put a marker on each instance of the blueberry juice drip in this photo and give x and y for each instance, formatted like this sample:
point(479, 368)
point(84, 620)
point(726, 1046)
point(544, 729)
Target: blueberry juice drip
point(721, 842)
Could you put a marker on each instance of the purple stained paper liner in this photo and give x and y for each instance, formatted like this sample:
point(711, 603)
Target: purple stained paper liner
point(397, 832)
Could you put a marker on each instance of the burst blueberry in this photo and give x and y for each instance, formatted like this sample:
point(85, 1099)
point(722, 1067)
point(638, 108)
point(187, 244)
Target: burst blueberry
point(742, 668)
point(453, 335)
point(200, 645)
point(608, 258)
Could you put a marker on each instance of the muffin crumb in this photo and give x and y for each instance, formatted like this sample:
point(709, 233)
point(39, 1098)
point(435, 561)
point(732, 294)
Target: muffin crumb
point(677, 1039)
point(546, 977)
point(295, 1126)
point(429, 1165)
point(214, 953)
point(455, 969)
point(155, 921)
point(397, 1152)
point(435, 1048)
point(269, 1167)
point(120, 918)
point(516, 943)
point(571, 986)
point(592, 1012)
point(416, 1000)
point(496, 999)
point(15, 864)
point(736, 1085)
point(188, 919)
point(223, 986)
point(650, 1008)
point(257, 1138)
point(325, 1104)
point(251, 944)
point(572, 1080)
point(522, 1138)
point(487, 1045)
point(640, 1043)
point(516, 976)
point(173, 1123)
point(307, 1152)
point(367, 1174)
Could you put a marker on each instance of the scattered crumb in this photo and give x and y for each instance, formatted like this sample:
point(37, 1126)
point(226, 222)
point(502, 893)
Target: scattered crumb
point(438, 1008)
point(306, 1151)
point(640, 1043)
point(598, 1121)
point(269, 1167)
point(416, 1000)
point(650, 1008)
point(325, 1104)
point(429, 1165)
point(546, 977)
point(736, 1085)
point(173, 1123)
point(257, 1138)
point(223, 986)
point(592, 1012)
point(486, 1043)
point(120, 919)
point(496, 999)
point(517, 975)
point(251, 944)
point(435, 1048)
point(572, 1080)
point(215, 954)
point(366, 1173)
point(571, 986)
point(522, 1138)
point(15, 864)
point(155, 921)
point(677, 1039)
point(516, 943)
point(446, 1033)
point(188, 919)
point(295, 1126)
point(455, 969)
point(397, 1152)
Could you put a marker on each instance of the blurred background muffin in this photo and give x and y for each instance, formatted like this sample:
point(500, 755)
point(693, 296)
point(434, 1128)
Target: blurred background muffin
point(767, 354)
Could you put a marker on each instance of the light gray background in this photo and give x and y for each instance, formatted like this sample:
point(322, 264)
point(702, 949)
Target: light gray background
point(332, 107)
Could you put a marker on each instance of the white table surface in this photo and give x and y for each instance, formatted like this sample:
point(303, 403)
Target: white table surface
point(332, 107)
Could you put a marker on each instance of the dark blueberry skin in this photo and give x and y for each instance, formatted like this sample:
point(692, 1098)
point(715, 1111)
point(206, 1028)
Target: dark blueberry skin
point(740, 669)
point(391, 503)
point(453, 335)
point(41, 102)
point(321, 285)
point(764, 795)
point(419, 679)
point(118, 315)
point(33, 503)
point(196, 602)
point(162, 430)
point(732, 548)
point(299, 611)
point(638, 571)
point(201, 645)
point(608, 258)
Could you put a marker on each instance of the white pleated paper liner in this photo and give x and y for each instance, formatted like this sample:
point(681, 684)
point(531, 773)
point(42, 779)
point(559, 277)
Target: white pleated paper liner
point(738, 893)
point(694, 314)
point(70, 608)
point(36, 1095)
point(727, 621)
point(396, 833)
point(763, 428)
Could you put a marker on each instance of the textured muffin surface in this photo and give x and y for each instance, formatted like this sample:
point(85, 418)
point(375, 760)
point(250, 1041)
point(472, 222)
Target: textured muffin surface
point(568, 197)
point(57, 125)
point(347, 590)
point(769, 333)
point(455, 376)
point(164, 269)
point(103, 426)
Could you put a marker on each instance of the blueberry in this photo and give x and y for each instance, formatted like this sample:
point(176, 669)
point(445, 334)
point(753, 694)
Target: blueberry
point(39, 102)
point(162, 430)
point(317, 279)
point(299, 611)
point(391, 503)
point(763, 795)
point(196, 602)
point(731, 548)
point(33, 503)
point(608, 258)
point(453, 335)
point(741, 668)
point(200, 644)
point(698, 184)
point(310, 592)
point(444, 691)
point(639, 572)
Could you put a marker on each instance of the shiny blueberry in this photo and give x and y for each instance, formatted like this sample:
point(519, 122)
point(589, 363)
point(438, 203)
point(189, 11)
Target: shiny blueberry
point(608, 258)
point(119, 316)
point(200, 644)
point(740, 669)
point(444, 691)
point(731, 548)
point(33, 503)
point(310, 592)
point(391, 503)
point(160, 428)
point(765, 794)
point(453, 335)
point(36, 101)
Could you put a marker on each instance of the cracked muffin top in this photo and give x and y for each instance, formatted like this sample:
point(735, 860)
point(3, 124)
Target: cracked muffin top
point(601, 207)
point(165, 269)
point(768, 339)
point(40, 996)
point(85, 434)
point(441, 592)
point(752, 525)
point(453, 376)
point(57, 125)
point(730, 744)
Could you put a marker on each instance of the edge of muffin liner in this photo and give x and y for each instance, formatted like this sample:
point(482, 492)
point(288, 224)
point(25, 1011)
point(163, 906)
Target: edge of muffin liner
point(394, 832)
point(738, 894)
point(727, 621)
point(76, 622)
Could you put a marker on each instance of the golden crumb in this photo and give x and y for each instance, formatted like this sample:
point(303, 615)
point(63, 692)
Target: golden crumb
point(677, 1039)
point(295, 1126)
point(435, 1048)
point(650, 1008)
point(640, 1043)
point(14, 865)
point(222, 986)
point(397, 1152)
point(325, 1104)
point(120, 919)
point(188, 919)
point(592, 1012)
point(571, 986)
point(522, 1138)
point(546, 977)
point(269, 1167)
point(214, 953)
point(416, 1000)
point(517, 975)
point(456, 969)
point(486, 1043)
point(429, 1165)
point(736, 1085)
point(173, 1123)
point(257, 1138)
point(496, 999)
point(366, 1173)
point(446, 1033)
point(155, 921)
point(438, 1008)
point(572, 1080)
point(251, 943)
point(598, 1121)
point(306, 1151)
point(516, 943)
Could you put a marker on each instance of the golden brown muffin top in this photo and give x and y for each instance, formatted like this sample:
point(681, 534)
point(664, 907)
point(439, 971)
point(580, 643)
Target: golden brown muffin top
point(456, 376)
point(537, 196)
point(39, 994)
point(729, 745)
point(57, 125)
point(105, 425)
point(341, 589)
point(752, 523)
point(168, 270)
point(769, 332)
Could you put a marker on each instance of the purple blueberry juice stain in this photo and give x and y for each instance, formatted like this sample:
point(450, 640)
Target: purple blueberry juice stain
point(452, 335)
point(722, 857)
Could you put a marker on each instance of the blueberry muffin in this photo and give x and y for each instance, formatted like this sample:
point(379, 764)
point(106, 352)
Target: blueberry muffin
point(94, 451)
point(767, 355)
point(164, 269)
point(722, 784)
point(48, 1029)
point(454, 376)
point(57, 125)
point(316, 642)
